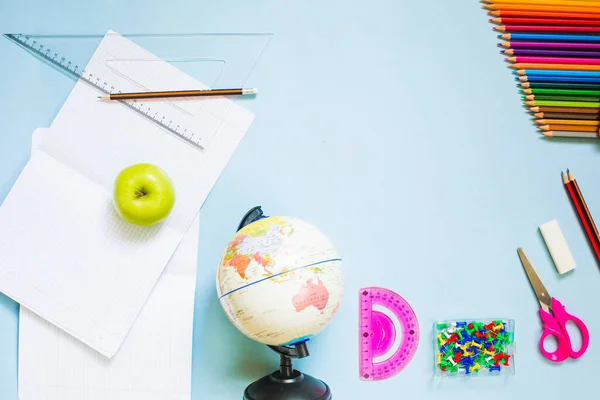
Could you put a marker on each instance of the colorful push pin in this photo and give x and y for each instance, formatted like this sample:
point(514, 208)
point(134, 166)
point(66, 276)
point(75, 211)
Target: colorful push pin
point(457, 356)
point(461, 324)
point(439, 358)
point(442, 341)
point(452, 327)
point(506, 357)
point(494, 368)
point(451, 360)
point(475, 367)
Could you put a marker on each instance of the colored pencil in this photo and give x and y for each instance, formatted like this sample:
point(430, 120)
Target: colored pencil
point(571, 110)
point(550, 78)
point(544, 28)
point(549, 36)
point(553, 60)
point(571, 128)
point(542, 14)
point(569, 134)
point(550, 45)
point(563, 67)
point(558, 103)
point(574, 122)
point(585, 218)
point(559, 85)
point(550, 53)
point(544, 21)
point(554, 72)
point(584, 207)
point(567, 116)
point(571, 3)
point(560, 92)
point(561, 98)
point(542, 7)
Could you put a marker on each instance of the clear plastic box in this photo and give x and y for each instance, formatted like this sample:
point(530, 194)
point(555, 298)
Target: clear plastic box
point(474, 347)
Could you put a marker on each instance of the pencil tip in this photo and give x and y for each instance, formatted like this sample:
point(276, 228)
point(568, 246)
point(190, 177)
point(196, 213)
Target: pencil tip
point(548, 133)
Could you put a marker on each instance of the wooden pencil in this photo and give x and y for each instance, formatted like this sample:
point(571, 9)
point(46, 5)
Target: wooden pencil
point(584, 217)
point(571, 128)
point(544, 21)
point(561, 98)
point(572, 3)
point(574, 122)
point(543, 14)
point(570, 134)
point(560, 79)
point(585, 208)
point(567, 116)
point(594, 9)
point(536, 44)
point(546, 28)
point(569, 110)
point(568, 54)
point(559, 92)
point(553, 60)
point(577, 104)
point(558, 67)
point(559, 85)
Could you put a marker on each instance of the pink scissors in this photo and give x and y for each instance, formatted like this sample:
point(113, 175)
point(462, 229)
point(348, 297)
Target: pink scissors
point(554, 324)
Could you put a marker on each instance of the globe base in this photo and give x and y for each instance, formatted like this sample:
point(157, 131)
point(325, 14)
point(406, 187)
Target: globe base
point(298, 386)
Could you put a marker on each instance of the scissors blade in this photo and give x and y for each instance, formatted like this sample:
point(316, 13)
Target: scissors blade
point(536, 283)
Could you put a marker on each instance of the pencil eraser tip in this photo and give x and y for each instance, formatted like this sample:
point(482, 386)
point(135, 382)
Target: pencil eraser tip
point(557, 246)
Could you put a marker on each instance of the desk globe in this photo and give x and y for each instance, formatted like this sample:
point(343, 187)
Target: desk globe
point(280, 283)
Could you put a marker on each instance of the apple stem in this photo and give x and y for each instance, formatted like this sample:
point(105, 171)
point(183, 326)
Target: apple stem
point(139, 194)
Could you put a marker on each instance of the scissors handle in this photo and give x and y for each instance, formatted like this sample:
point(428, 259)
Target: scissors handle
point(556, 326)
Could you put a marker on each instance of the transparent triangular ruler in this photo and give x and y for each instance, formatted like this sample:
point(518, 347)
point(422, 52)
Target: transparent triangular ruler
point(217, 60)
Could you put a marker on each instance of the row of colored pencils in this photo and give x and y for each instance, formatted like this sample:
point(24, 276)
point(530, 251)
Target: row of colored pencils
point(553, 47)
point(583, 212)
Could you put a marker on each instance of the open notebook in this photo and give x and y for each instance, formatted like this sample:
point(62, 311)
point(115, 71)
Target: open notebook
point(66, 255)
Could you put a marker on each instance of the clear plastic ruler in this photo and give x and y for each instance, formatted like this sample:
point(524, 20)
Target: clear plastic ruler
point(225, 60)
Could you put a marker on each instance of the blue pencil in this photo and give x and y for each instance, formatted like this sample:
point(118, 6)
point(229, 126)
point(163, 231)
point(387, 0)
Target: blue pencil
point(536, 36)
point(562, 79)
point(555, 72)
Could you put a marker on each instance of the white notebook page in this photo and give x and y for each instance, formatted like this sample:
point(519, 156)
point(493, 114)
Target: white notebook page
point(67, 256)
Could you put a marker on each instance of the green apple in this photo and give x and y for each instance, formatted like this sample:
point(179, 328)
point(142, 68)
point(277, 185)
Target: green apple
point(143, 194)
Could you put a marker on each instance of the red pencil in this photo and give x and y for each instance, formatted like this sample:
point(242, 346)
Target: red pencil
point(543, 14)
point(544, 28)
point(544, 21)
point(592, 238)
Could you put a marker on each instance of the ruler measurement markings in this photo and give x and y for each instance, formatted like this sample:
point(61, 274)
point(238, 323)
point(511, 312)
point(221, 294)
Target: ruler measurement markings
point(45, 55)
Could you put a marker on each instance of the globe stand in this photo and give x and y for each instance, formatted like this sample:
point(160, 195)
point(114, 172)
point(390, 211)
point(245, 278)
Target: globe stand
point(288, 383)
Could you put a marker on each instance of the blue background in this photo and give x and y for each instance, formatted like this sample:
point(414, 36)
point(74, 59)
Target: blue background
point(396, 128)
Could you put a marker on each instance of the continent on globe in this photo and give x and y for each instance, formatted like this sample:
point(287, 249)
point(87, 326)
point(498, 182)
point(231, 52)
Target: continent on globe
point(244, 247)
point(311, 294)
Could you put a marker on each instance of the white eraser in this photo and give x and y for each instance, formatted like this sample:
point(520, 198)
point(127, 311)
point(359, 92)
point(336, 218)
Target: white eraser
point(557, 246)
